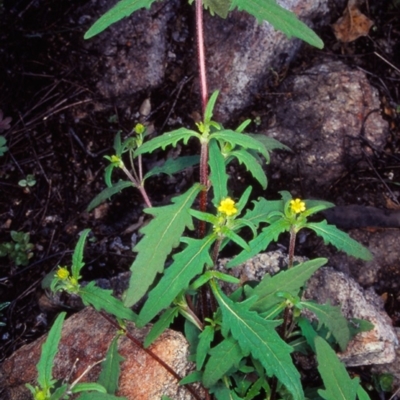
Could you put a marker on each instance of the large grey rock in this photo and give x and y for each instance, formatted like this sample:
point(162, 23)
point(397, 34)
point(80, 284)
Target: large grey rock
point(330, 119)
point(241, 52)
point(85, 340)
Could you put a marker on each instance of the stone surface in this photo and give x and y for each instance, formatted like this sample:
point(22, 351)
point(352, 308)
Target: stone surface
point(330, 119)
point(85, 339)
point(373, 347)
point(242, 53)
point(130, 55)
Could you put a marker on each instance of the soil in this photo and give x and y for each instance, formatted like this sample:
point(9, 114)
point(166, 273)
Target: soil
point(61, 129)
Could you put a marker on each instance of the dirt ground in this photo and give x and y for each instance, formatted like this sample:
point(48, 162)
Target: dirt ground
point(61, 129)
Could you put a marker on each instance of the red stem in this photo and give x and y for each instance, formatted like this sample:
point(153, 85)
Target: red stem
point(201, 54)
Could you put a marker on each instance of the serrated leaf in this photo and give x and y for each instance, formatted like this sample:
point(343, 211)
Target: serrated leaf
point(269, 143)
point(261, 242)
point(99, 396)
point(77, 258)
point(167, 139)
point(258, 336)
point(161, 235)
point(161, 325)
point(252, 165)
point(88, 386)
point(219, 7)
point(362, 394)
point(340, 240)
point(49, 351)
point(218, 175)
point(102, 299)
point(122, 9)
point(187, 264)
point(111, 368)
point(337, 382)
point(307, 331)
point(206, 337)
point(280, 18)
point(107, 193)
point(239, 139)
point(262, 208)
point(289, 281)
point(223, 358)
point(173, 165)
point(333, 319)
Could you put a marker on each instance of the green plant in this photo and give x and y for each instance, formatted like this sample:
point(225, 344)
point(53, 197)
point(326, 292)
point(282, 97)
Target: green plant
point(3, 147)
point(20, 250)
point(241, 342)
point(2, 307)
point(28, 182)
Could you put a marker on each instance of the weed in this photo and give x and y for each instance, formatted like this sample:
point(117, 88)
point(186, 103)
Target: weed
point(242, 344)
point(19, 250)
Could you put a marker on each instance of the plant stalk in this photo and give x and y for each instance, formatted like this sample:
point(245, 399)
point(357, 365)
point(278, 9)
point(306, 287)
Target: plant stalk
point(292, 245)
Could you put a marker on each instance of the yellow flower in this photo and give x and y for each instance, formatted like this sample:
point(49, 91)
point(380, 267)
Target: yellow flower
point(227, 207)
point(62, 273)
point(297, 206)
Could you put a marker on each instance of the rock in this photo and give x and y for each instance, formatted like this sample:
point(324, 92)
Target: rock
point(377, 346)
point(241, 53)
point(85, 340)
point(330, 119)
point(392, 368)
point(130, 55)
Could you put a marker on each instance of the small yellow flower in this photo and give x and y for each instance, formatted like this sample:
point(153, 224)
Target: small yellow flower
point(227, 207)
point(116, 161)
point(62, 273)
point(297, 206)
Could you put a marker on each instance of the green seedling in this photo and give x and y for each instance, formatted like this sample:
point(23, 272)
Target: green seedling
point(19, 250)
point(28, 182)
point(3, 147)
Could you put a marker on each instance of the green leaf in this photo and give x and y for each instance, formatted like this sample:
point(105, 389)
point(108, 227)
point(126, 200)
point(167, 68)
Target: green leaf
point(166, 139)
point(109, 375)
point(223, 358)
point(102, 299)
point(340, 240)
point(161, 325)
point(107, 193)
point(77, 258)
point(362, 394)
point(262, 209)
point(269, 144)
point(187, 264)
point(218, 175)
point(289, 281)
point(161, 235)
point(307, 331)
point(206, 337)
point(219, 7)
point(122, 9)
point(88, 386)
point(99, 396)
point(208, 114)
point(337, 382)
point(173, 165)
point(280, 18)
point(259, 337)
point(333, 319)
point(252, 165)
point(193, 377)
point(49, 351)
point(239, 139)
point(261, 242)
